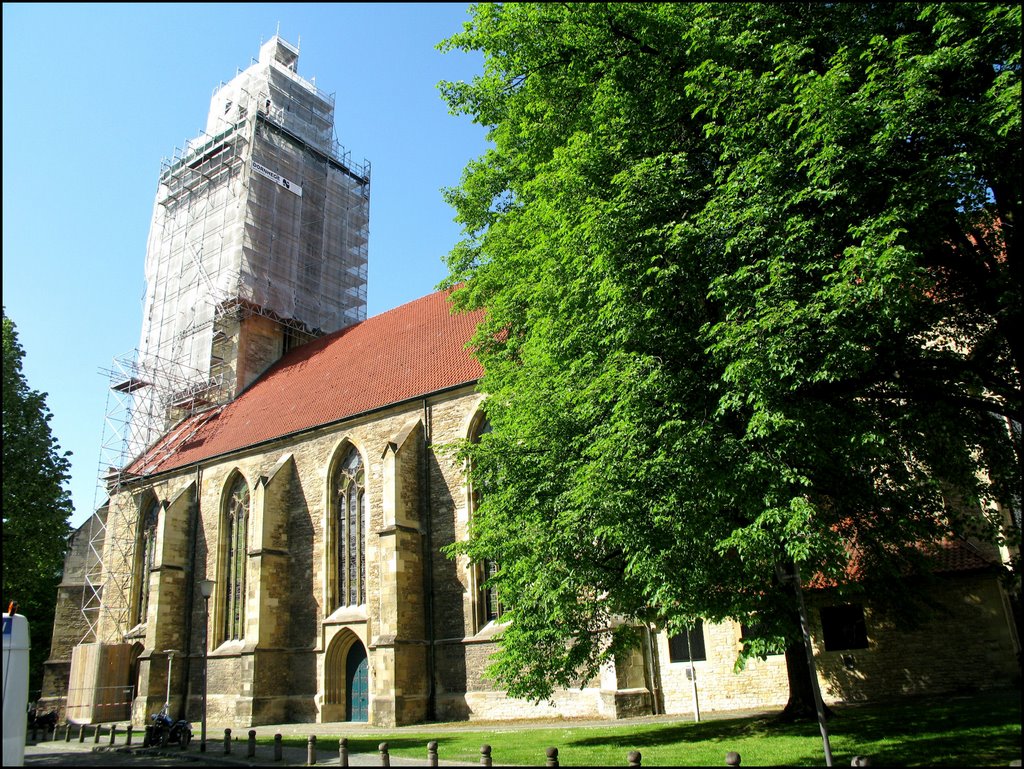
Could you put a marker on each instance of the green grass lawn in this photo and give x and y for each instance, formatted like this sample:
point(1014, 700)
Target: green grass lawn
point(976, 730)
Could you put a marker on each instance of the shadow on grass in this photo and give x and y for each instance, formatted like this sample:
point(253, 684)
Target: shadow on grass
point(707, 731)
point(978, 729)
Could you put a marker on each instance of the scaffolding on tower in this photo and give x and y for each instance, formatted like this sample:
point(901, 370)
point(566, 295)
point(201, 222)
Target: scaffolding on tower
point(262, 215)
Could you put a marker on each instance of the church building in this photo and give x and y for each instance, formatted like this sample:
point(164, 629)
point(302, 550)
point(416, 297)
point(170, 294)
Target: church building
point(275, 533)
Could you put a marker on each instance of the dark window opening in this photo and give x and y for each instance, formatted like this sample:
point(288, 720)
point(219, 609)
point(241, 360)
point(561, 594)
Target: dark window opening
point(844, 627)
point(682, 644)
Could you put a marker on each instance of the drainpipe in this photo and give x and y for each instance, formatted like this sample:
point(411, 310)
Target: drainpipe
point(428, 571)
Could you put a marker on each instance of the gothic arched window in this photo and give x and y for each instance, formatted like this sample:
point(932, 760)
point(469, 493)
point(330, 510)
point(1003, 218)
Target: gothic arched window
point(487, 607)
point(349, 500)
point(235, 530)
point(145, 554)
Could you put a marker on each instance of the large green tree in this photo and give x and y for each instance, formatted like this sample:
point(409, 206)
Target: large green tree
point(36, 504)
point(753, 303)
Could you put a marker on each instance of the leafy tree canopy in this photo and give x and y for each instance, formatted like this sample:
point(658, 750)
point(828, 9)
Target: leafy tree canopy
point(753, 300)
point(36, 504)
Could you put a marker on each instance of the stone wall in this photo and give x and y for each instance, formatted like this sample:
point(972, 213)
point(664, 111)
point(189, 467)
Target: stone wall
point(960, 644)
point(69, 626)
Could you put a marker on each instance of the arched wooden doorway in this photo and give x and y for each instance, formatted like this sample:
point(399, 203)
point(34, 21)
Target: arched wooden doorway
point(346, 680)
point(357, 684)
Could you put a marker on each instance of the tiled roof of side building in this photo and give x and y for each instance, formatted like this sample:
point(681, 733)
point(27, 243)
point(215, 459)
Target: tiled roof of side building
point(405, 353)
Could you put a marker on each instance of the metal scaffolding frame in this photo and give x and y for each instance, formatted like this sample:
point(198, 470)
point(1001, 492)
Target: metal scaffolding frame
point(263, 214)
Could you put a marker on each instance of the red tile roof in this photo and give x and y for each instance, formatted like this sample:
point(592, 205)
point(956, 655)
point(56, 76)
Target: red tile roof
point(405, 353)
point(944, 557)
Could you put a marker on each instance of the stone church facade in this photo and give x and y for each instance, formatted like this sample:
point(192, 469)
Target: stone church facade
point(320, 502)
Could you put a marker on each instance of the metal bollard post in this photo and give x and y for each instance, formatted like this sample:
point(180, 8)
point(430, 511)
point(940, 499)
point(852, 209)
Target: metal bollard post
point(128, 735)
point(385, 759)
point(250, 751)
point(485, 755)
point(67, 732)
point(862, 761)
point(311, 750)
point(552, 754)
point(732, 758)
point(113, 733)
point(227, 741)
point(432, 753)
point(277, 746)
point(343, 753)
point(633, 758)
point(81, 732)
point(96, 735)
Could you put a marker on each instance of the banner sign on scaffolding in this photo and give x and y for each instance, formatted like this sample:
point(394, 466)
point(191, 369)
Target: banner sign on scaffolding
point(277, 178)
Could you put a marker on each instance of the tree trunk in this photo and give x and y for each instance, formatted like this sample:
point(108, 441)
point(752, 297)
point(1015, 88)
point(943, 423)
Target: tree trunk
point(800, 706)
point(801, 695)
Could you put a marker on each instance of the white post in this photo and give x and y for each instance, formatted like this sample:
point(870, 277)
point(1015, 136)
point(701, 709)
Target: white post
point(819, 706)
point(693, 677)
point(170, 663)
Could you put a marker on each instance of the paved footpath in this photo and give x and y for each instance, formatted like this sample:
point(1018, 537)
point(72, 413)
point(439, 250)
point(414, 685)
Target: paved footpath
point(58, 752)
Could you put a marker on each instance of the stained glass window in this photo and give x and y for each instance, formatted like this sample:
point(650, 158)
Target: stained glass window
point(235, 531)
point(147, 558)
point(350, 520)
point(488, 608)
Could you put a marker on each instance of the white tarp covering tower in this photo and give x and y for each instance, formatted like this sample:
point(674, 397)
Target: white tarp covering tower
point(258, 242)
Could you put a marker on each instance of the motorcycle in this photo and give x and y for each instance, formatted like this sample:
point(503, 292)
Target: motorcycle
point(165, 730)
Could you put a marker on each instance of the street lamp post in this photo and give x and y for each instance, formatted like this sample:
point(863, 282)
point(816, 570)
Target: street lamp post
point(206, 588)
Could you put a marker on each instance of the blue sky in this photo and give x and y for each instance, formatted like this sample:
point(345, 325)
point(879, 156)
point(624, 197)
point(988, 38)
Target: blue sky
point(95, 95)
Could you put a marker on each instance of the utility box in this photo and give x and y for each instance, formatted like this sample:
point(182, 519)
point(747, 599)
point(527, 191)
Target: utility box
point(15, 688)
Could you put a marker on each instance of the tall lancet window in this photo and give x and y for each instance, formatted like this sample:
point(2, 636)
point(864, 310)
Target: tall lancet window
point(235, 532)
point(488, 609)
point(349, 522)
point(145, 550)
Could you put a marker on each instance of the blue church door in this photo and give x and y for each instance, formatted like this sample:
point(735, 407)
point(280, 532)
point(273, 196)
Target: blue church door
point(357, 684)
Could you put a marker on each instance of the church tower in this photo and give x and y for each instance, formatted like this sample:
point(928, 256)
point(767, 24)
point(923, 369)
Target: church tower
point(258, 243)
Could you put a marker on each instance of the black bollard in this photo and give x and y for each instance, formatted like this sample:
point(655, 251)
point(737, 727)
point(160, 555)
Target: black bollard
point(227, 741)
point(485, 755)
point(251, 748)
point(96, 735)
point(311, 750)
point(633, 758)
point(732, 758)
point(385, 759)
point(343, 753)
point(128, 734)
point(113, 733)
point(432, 753)
point(67, 732)
point(277, 746)
point(81, 732)
point(552, 754)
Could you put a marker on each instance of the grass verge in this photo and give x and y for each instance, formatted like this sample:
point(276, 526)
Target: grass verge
point(976, 730)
